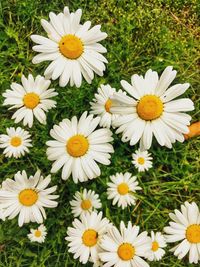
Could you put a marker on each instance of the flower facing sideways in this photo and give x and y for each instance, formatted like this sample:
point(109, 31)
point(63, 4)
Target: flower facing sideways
point(150, 110)
point(16, 143)
point(185, 227)
point(72, 47)
point(78, 147)
point(38, 235)
point(31, 99)
point(27, 197)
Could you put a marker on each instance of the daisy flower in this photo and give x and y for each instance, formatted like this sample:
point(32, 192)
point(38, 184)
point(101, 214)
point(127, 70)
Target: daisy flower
point(125, 247)
point(78, 146)
point(185, 228)
point(84, 202)
point(122, 189)
point(72, 47)
point(102, 103)
point(150, 109)
point(157, 244)
point(32, 99)
point(27, 197)
point(16, 142)
point(142, 160)
point(38, 235)
point(85, 236)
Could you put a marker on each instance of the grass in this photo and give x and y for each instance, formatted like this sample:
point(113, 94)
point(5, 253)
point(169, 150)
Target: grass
point(141, 35)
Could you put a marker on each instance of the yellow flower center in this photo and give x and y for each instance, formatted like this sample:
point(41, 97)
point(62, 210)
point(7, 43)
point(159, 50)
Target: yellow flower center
point(31, 100)
point(28, 197)
point(86, 204)
point(71, 46)
point(141, 160)
point(155, 246)
point(77, 145)
point(150, 107)
point(16, 141)
point(108, 105)
point(38, 233)
point(126, 251)
point(193, 233)
point(123, 189)
point(90, 238)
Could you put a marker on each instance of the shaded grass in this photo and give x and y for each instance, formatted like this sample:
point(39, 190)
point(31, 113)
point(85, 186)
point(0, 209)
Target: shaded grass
point(141, 35)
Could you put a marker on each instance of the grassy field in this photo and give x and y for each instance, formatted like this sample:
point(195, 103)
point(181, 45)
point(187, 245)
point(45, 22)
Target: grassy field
point(141, 35)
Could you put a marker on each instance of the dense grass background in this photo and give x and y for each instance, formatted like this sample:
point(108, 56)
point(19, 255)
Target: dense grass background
point(141, 35)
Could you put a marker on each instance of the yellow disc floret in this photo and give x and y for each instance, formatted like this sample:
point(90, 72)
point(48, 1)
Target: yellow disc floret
point(108, 105)
point(155, 246)
point(193, 233)
point(123, 189)
point(37, 233)
point(126, 251)
point(28, 197)
point(16, 141)
point(31, 100)
point(90, 238)
point(150, 107)
point(86, 204)
point(141, 160)
point(77, 145)
point(71, 46)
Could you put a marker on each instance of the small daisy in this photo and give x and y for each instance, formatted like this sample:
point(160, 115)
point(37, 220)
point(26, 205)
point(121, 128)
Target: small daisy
point(16, 142)
point(38, 235)
point(122, 189)
point(85, 236)
point(158, 243)
point(27, 197)
point(151, 111)
point(32, 98)
point(185, 228)
point(125, 247)
point(72, 47)
point(78, 146)
point(84, 202)
point(102, 103)
point(142, 160)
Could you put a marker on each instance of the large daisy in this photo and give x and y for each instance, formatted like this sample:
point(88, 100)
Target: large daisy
point(158, 243)
point(150, 110)
point(27, 197)
point(85, 202)
point(72, 47)
point(32, 99)
point(125, 248)
point(78, 147)
point(85, 236)
point(185, 228)
point(102, 103)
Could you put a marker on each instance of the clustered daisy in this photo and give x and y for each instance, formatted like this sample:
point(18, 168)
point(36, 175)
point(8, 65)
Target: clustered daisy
point(16, 143)
point(144, 109)
point(85, 202)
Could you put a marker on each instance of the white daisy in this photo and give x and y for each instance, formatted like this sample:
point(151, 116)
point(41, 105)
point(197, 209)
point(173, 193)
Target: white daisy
point(72, 47)
point(149, 110)
point(32, 98)
point(38, 235)
point(102, 103)
point(78, 146)
point(125, 248)
point(158, 242)
point(186, 228)
point(27, 197)
point(122, 189)
point(142, 160)
point(16, 142)
point(85, 236)
point(85, 202)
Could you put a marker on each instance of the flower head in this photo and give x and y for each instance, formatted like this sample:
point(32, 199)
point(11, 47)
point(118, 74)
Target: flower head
point(142, 160)
point(38, 235)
